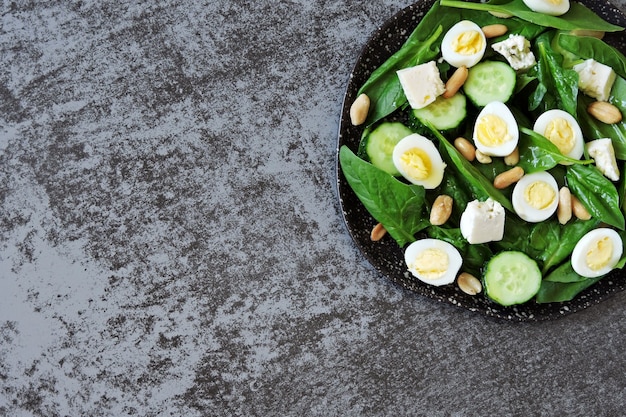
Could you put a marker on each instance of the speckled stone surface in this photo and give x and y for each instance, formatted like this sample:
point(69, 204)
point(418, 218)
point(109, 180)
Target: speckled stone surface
point(171, 241)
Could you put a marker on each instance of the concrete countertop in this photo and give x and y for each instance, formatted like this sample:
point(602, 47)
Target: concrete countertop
point(171, 243)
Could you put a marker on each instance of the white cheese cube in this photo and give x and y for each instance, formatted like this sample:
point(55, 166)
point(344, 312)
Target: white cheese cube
point(516, 50)
point(483, 221)
point(421, 84)
point(595, 79)
point(603, 153)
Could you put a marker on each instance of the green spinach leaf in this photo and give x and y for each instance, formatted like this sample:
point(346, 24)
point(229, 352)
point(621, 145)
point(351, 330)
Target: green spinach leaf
point(563, 284)
point(587, 47)
point(578, 16)
point(597, 193)
point(539, 154)
point(558, 87)
point(398, 206)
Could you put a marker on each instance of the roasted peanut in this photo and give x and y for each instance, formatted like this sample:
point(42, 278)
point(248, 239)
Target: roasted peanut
point(564, 209)
point(513, 158)
point(378, 232)
point(579, 210)
point(482, 158)
point(359, 109)
point(469, 284)
point(465, 148)
point(605, 112)
point(441, 210)
point(456, 81)
point(506, 178)
point(493, 31)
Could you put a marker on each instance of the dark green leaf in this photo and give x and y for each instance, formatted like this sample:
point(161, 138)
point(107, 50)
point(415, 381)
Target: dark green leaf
point(578, 16)
point(398, 206)
point(563, 285)
point(539, 154)
point(587, 47)
point(597, 193)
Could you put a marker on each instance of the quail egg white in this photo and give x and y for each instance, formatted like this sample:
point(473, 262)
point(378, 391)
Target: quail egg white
point(550, 7)
point(535, 197)
point(464, 44)
point(562, 129)
point(496, 132)
point(597, 252)
point(433, 261)
point(418, 161)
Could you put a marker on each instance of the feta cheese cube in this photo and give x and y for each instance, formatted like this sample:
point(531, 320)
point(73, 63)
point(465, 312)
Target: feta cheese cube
point(421, 84)
point(516, 50)
point(595, 79)
point(483, 221)
point(603, 153)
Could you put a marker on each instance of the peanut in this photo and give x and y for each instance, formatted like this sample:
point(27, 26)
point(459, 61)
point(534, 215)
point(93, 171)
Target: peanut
point(465, 148)
point(493, 31)
point(441, 210)
point(359, 109)
point(482, 158)
point(378, 232)
point(513, 158)
point(605, 112)
point(456, 81)
point(469, 284)
point(506, 178)
point(579, 210)
point(564, 209)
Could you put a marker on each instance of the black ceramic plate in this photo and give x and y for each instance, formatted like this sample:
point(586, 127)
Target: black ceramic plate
point(385, 255)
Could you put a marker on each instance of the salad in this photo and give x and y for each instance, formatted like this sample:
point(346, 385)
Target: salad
point(491, 150)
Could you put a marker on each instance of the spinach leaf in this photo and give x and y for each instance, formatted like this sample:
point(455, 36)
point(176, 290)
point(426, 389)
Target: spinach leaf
point(597, 193)
point(479, 185)
point(558, 87)
point(594, 129)
point(539, 154)
point(398, 206)
point(578, 16)
point(563, 284)
point(566, 237)
point(588, 47)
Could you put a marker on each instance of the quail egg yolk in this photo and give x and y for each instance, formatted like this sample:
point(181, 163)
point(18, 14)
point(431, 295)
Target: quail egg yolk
point(468, 42)
point(599, 254)
point(431, 263)
point(492, 130)
point(539, 195)
point(417, 163)
point(560, 132)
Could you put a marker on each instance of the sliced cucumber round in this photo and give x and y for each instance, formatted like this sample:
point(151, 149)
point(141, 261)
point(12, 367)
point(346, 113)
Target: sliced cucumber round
point(444, 113)
point(490, 81)
point(511, 277)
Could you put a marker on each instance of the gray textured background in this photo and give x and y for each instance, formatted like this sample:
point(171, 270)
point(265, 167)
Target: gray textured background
point(171, 241)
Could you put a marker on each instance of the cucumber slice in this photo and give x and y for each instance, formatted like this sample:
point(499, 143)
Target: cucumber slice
point(511, 277)
point(379, 144)
point(490, 81)
point(444, 113)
